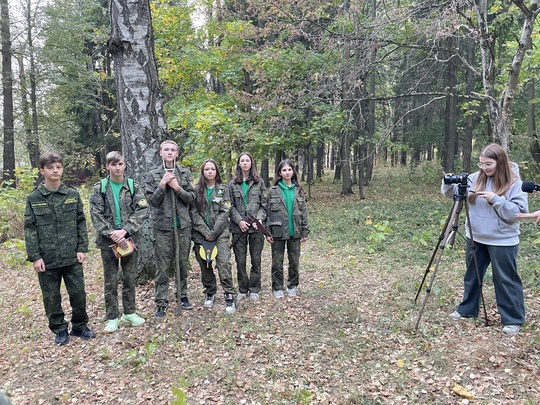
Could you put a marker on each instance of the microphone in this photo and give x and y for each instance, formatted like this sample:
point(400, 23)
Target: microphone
point(529, 186)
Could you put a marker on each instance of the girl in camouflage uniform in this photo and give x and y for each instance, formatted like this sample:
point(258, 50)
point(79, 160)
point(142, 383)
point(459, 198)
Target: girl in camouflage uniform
point(248, 197)
point(287, 220)
point(210, 219)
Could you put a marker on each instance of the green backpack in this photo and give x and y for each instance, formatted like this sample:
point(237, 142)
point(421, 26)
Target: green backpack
point(130, 185)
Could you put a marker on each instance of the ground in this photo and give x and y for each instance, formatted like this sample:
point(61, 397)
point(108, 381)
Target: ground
point(349, 338)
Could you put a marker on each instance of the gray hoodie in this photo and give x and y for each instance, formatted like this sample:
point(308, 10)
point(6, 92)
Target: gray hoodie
point(494, 223)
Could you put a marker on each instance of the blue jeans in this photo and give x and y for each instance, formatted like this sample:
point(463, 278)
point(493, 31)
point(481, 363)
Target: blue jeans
point(507, 283)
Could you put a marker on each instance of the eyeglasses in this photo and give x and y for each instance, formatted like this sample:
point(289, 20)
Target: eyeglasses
point(486, 165)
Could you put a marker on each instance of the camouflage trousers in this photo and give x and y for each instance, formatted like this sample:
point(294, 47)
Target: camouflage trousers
point(240, 243)
point(223, 264)
point(164, 248)
point(112, 270)
point(278, 258)
point(50, 282)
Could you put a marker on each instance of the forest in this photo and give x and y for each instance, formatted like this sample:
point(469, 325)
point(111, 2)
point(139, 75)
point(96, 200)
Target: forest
point(330, 84)
point(371, 100)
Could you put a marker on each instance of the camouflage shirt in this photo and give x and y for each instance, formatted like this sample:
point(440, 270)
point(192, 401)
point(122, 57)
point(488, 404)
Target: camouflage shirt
point(213, 220)
point(133, 209)
point(277, 220)
point(254, 204)
point(161, 201)
point(55, 226)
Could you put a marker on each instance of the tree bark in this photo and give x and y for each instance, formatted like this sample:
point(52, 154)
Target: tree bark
point(500, 112)
point(7, 91)
point(140, 109)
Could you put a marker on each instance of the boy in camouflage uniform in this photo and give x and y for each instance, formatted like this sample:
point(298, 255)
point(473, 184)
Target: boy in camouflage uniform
point(167, 182)
point(56, 240)
point(118, 209)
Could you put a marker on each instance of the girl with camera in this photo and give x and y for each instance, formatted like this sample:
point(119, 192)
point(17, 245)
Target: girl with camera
point(495, 197)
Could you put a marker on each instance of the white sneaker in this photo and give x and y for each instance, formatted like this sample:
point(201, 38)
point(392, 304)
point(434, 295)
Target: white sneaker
point(111, 326)
point(240, 297)
point(254, 296)
point(209, 301)
point(132, 319)
point(511, 329)
point(293, 292)
point(230, 307)
point(279, 294)
point(456, 316)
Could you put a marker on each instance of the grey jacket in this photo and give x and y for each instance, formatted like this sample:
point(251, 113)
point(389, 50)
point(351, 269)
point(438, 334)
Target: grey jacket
point(256, 203)
point(161, 199)
point(494, 223)
point(277, 219)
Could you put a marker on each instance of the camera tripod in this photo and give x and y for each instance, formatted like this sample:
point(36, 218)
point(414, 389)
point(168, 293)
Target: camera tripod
point(447, 237)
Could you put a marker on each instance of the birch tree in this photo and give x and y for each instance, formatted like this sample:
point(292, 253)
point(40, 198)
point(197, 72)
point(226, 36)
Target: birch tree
point(140, 109)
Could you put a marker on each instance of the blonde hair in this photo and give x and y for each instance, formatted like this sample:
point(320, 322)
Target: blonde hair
point(168, 141)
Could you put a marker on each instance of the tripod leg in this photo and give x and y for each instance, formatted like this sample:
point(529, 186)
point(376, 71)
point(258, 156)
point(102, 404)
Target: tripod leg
point(480, 282)
point(447, 236)
point(448, 230)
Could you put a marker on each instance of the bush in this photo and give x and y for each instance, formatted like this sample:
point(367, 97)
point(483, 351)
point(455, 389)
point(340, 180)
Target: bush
point(12, 203)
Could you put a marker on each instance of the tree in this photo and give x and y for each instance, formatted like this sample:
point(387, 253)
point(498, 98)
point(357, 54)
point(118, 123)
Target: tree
point(7, 91)
point(142, 123)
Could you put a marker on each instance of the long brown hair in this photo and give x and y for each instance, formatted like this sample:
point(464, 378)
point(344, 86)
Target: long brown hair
point(504, 175)
point(201, 184)
point(239, 176)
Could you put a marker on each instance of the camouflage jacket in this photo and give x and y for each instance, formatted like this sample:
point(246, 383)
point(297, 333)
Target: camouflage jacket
point(161, 199)
point(214, 218)
point(55, 226)
point(256, 203)
point(277, 219)
point(133, 209)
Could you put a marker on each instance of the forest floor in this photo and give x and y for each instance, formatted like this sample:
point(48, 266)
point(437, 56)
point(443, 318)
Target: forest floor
point(349, 338)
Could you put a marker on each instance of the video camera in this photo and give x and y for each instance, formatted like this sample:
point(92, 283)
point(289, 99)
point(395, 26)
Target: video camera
point(456, 179)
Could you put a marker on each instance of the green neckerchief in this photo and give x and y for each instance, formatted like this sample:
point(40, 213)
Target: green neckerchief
point(288, 196)
point(116, 188)
point(245, 188)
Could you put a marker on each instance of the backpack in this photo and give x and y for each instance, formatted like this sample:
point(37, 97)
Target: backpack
point(130, 185)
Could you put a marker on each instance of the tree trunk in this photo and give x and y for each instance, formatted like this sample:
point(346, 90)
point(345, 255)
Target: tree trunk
point(450, 113)
point(345, 164)
point(7, 91)
point(142, 123)
point(500, 113)
point(319, 161)
point(33, 141)
point(265, 172)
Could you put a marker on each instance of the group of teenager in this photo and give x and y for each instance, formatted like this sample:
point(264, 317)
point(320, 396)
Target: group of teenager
point(207, 213)
point(183, 215)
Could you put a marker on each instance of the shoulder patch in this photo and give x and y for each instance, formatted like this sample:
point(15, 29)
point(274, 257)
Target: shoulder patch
point(227, 204)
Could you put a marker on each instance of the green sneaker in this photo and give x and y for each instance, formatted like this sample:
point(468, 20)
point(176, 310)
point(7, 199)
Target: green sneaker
point(132, 319)
point(111, 326)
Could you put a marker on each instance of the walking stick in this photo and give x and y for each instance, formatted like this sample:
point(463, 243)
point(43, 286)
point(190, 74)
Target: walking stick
point(176, 249)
